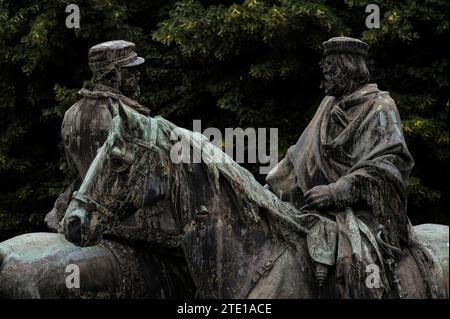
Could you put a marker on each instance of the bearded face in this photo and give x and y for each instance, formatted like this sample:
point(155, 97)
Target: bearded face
point(129, 85)
point(344, 73)
point(335, 81)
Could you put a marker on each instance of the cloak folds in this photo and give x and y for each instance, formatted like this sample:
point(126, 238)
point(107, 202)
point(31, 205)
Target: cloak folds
point(84, 130)
point(355, 145)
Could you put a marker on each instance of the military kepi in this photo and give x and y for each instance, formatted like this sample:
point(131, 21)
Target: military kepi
point(108, 55)
point(345, 45)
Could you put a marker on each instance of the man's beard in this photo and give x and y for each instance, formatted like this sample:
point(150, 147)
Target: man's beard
point(136, 92)
point(335, 85)
point(132, 91)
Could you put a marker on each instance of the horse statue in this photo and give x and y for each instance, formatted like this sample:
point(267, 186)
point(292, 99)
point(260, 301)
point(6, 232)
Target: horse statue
point(41, 266)
point(238, 239)
point(122, 265)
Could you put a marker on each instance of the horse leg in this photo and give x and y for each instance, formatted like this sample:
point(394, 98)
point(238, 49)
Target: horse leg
point(289, 278)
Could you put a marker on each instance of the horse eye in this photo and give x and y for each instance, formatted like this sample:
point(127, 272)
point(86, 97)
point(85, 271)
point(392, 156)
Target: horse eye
point(118, 164)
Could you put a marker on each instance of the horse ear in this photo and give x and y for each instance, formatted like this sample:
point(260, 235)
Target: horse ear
point(112, 110)
point(125, 115)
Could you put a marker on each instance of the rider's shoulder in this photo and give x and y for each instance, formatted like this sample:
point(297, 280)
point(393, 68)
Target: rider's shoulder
point(73, 109)
point(383, 100)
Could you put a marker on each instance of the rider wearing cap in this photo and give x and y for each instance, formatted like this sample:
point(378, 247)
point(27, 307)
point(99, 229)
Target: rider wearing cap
point(84, 130)
point(86, 123)
point(352, 165)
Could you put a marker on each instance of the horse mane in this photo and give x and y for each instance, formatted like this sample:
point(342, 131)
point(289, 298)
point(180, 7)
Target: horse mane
point(251, 197)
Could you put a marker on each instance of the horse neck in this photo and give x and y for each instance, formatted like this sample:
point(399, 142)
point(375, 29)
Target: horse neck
point(224, 253)
point(226, 246)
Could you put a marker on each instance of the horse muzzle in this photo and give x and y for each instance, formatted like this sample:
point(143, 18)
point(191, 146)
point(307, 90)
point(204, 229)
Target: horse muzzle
point(78, 228)
point(72, 230)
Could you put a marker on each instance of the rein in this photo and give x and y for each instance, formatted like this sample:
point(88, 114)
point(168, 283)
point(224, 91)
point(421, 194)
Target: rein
point(263, 271)
point(103, 211)
point(141, 171)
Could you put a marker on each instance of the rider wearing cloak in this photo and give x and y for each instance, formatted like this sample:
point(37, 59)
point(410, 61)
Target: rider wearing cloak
point(352, 165)
point(84, 130)
point(86, 123)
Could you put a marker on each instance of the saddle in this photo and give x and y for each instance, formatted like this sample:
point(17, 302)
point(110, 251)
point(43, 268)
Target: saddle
point(349, 247)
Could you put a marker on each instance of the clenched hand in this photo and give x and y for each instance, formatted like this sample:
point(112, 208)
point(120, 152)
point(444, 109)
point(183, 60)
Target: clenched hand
point(318, 197)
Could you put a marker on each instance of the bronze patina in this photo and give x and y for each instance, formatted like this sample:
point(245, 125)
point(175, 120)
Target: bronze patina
point(123, 266)
point(334, 207)
point(238, 238)
point(352, 164)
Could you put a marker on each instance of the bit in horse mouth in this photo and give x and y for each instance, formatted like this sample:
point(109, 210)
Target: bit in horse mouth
point(73, 230)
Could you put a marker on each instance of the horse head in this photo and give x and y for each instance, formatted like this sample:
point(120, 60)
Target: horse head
point(129, 172)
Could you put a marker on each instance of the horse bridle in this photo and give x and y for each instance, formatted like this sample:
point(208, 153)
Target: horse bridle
point(105, 212)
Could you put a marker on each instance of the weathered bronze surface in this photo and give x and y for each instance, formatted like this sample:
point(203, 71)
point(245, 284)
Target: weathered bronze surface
point(131, 269)
point(352, 165)
point(239, 239)
point(335, 205)
point(34, 266)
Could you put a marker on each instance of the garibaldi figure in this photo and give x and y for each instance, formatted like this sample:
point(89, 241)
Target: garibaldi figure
point(351, 164)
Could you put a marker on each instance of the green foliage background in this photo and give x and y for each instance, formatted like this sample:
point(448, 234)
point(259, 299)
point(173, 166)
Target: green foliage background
point(253, 63)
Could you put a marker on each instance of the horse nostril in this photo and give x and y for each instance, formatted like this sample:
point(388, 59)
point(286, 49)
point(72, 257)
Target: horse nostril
point(74, 229)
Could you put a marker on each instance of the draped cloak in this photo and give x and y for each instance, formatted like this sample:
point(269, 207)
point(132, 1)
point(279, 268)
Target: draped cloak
point(84, 130)
point(354, 144)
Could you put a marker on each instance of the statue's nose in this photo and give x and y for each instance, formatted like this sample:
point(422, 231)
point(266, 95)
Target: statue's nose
point(73, 230)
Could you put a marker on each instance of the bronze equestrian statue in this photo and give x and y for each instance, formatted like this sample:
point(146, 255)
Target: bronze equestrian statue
point(238, 238)
point(33, 265)
point(333, 207)
point(352, 164)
